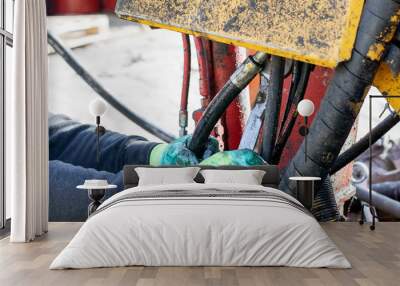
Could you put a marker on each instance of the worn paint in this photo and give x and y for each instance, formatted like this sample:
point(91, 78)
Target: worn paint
point(388, 84)
point(320, 32)
point(375, 51)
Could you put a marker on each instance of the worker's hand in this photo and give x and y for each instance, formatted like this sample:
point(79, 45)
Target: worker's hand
point(243, 157)
point(177, 152)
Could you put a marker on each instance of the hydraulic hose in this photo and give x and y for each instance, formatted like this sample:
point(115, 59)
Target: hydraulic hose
point(345, 94)
point(296, 75)
point(299, 93)
point(237, 82)
point(272, 107)
point(362, 145)
point(69, 58)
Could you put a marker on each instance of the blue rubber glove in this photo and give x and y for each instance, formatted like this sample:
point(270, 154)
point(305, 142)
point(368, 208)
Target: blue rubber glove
point(243, 157)
point(177, 152)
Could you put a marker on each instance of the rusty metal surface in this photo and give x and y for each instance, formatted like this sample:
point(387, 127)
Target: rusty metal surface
point(321, 32)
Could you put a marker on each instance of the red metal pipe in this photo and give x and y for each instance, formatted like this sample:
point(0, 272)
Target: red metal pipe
point(207, 45)
point(205, 76)
point(183, 114)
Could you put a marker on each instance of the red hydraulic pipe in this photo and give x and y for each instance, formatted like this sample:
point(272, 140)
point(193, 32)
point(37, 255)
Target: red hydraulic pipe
point(205, 74)
point(205, 77)
point(207, 45)
point(183, 114)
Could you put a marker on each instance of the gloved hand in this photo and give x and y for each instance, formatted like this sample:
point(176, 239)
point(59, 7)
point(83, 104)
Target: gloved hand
point(177, 152)
point(243, 157)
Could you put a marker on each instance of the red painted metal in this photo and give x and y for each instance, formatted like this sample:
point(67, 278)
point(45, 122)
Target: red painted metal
point(61, 7)
point(108, 5)
point(206, 76)
point(217, 62)
point(224, 64)
point(319, 80)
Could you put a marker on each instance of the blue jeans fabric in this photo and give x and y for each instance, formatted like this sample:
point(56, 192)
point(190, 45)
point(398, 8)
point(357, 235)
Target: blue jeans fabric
point(72, 155)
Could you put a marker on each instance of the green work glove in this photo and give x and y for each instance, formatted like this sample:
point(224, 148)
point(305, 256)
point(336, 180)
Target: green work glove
point(177, 152)
point(243, 157)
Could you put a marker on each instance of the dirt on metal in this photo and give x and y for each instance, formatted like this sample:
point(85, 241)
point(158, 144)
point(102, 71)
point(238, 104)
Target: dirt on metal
point(320, 32)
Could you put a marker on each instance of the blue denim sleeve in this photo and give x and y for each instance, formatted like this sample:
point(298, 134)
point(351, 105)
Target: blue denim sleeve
point(66, 203)
point(75, 143)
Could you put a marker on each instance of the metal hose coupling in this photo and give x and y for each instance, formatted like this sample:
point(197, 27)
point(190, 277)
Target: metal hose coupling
point(236, 83)
point(248, 70)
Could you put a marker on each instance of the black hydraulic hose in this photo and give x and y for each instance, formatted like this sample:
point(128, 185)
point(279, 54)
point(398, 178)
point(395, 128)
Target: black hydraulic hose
point(237, 82)
point(296, 75)
point(362, 145)
point(299, 95)
point(272, 107)
point(345, 94)
point(70, 59)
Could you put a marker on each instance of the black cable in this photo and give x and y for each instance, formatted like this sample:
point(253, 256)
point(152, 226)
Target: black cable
point(272, 107)
point(299, 96)
point(362, 145)
point(70, 59)
point(296, 75)
point(345, 94)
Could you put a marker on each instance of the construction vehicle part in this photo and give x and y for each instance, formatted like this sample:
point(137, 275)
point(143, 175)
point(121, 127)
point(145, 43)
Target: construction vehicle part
point(296, 94)
point(224, 64)
point(316, 89)
point(320, 32)
point(205, 84)
point(362, 145)
point(253, 126)
point(237, 82)
point(379, 201)
point(388, 82)
point(345, 94)
point(69, 58)
point(324, 206)
point(187, 60)
point(295, 78)
point(272, 107)
point(360, 173)
point(390, 189)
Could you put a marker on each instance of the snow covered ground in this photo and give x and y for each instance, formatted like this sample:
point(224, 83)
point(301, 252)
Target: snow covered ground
point(143, 69)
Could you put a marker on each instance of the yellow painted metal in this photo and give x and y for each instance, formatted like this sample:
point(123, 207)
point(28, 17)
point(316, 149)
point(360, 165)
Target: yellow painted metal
point(321, 32)
point(388, 84)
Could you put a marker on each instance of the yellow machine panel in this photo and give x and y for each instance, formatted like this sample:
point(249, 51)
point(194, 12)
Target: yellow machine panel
point(388, 84)
point(321, 32)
